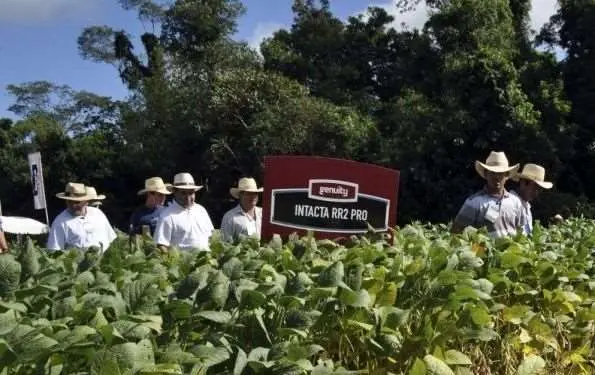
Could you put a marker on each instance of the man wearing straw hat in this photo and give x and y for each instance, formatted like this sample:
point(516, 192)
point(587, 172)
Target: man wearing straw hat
point(184, 224)
point(531, 180)
point(79, 225)
point(147, 215)
point(493, 207)
point(246, 218)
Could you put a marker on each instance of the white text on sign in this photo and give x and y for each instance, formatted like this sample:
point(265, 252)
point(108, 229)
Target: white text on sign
point(336, 213)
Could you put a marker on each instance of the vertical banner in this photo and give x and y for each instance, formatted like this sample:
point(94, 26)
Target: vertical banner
point(37, 181)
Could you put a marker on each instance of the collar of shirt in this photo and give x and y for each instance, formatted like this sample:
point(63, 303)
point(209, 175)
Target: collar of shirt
point(238, 210)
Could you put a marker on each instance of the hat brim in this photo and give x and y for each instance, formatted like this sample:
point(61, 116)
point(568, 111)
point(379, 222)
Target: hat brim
point(163, 191)
point(184, 187)
point(73, 199)
point(544, 184)
point(481, 168)
point(100, 197)
point(235, 192)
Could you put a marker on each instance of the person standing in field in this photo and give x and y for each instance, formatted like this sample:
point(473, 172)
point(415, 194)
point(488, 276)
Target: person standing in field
point(184, 224)
point(493, 207)
point(79, 225)
point(147, 215)
point(245, 219)
point(531, 181)
point(3, 242)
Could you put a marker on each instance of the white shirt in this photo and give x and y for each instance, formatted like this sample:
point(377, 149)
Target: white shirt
point(236, 222)
point(185, 228)
point(92, 229)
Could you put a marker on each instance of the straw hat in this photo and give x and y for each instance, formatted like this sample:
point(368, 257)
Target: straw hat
point(535, 173)
point(496, 162)
point(93, 194)
point(184, 181)
point(245, 184)
point(75, 192)
point(155, 184)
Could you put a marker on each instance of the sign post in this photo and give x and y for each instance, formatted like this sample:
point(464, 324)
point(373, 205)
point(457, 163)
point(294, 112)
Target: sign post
point(331, 197)
point(36, 170)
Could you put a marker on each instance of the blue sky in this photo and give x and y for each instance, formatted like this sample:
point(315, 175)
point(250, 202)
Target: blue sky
point(38, 37)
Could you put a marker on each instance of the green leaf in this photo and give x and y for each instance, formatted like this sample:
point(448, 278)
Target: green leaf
point(479, 315)
point(515, 313)
point(531, 365)
point(241, 362)
point(436, 366)
point(8, 322)
point(359, 298)
point(252, 299)
point(211, 355)
point(454, 357)
point(215, 316)
point(161, 369)
point(418, 368)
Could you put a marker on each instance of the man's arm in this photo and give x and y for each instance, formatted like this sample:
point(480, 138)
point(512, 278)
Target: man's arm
point(227, 231)
point(163, 232)
point(3, 243)
point(56, 238)
point(467, 216)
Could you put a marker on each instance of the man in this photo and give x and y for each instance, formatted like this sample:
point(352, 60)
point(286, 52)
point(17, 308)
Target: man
point(147, 215)
point(246, 218)
point(531, 180)
point(79, 225)
point(3, 242)
point(493, 207)
point(184, 224)
point(95, 200)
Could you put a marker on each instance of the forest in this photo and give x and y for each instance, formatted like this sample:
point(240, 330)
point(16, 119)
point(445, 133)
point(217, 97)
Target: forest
point(428, 102)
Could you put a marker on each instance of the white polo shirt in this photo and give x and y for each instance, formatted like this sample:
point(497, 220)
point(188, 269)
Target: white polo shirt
point(236, 222)
point(92, 229)
point(184, 228)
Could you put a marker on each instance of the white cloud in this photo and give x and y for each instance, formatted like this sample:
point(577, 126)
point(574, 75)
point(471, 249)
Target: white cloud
point(261, 31)
point(541, 11)
point(36, 11)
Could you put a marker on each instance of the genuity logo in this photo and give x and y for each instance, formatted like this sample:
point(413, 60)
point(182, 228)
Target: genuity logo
point(333, 190)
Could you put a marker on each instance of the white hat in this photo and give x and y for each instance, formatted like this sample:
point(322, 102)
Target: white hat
point(75, 192)
point(245, 184)
point(155, 184)
point(93, 194)
point(496, 162)
point(184, 181)
point(535, 173)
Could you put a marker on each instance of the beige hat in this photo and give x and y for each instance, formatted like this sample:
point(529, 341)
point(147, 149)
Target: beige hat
point(496, 162)
point(184, 181)
point(93, 194)
point(245, 184)
point(75, 192)
point(535, 173)
point(155, 184)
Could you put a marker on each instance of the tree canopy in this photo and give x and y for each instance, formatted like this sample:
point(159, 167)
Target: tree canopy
point(425, 101)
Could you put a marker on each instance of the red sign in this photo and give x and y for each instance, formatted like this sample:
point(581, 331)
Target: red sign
point(331, 197)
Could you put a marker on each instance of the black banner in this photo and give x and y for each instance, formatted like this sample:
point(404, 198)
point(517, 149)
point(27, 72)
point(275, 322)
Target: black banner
point(294, 208)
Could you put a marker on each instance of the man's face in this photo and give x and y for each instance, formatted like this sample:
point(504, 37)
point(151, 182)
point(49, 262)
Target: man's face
point(496, 181)
point(76, 208)
point(184, 197)
point(248, 200)
point(528, 190)
point(155, 199)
